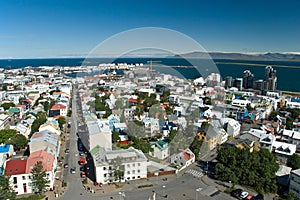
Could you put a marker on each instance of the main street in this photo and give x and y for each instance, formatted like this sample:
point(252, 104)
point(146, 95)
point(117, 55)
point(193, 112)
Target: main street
point(183, 186)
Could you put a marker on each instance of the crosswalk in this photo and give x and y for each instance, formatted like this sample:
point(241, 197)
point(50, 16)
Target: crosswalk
point(195, 173)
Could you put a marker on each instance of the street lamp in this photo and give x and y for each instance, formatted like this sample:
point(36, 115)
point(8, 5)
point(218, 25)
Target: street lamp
point(197, 190)
point(122, 195)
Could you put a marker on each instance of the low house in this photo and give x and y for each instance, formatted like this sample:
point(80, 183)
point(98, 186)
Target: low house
point(58, 109)
point(151, 125)
point(283, 175)
point(160, 150)
point(283, 151)
point(6, 151)
point(19, 170)
point(23, 129)
point(4, 121)
point(245, 144)
point(183, 159)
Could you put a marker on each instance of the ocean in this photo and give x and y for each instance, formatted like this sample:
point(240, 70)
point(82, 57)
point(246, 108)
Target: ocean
point(288, 72)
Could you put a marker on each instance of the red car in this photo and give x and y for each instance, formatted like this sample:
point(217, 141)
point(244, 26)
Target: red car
point(83, 175)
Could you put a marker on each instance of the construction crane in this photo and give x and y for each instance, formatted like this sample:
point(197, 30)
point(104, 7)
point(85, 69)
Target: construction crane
point(150, 62)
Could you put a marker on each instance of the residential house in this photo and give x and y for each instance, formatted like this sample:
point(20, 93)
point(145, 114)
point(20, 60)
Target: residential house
point(4, 121)
point(58, 109)
point(133, 163)
point(233, 128)
point(113, 119)
point(151, 125)
point(98, 134)
point(283, 151)
point(160, 150)
point(183, 159)
point(20, 169)
point(6, 151)
point(245, 144)
point(45, 140)
point(129, 114)
point(23, 129)
point(51, 127)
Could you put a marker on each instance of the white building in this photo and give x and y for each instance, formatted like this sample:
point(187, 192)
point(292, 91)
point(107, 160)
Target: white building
point(99, 134)
point(160, 150)
point(233, 128)
point(133, 163)
point(183, 159)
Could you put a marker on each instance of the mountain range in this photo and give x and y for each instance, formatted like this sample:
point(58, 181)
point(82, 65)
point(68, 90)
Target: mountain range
point(243, 56)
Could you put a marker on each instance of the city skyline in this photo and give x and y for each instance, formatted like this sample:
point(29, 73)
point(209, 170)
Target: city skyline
point(33, 29)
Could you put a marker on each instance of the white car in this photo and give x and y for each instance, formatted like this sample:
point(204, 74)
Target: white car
point(244, 194)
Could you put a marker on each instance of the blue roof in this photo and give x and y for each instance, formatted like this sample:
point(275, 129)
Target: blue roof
point(4, 148)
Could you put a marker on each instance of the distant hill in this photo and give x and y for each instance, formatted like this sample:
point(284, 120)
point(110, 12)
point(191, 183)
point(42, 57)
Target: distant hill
point(241, 56)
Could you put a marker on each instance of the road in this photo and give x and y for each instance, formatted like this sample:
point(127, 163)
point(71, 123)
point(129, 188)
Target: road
point(177, 187)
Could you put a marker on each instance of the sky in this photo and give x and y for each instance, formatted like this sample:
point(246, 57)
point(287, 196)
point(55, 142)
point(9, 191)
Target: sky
point(68, 28)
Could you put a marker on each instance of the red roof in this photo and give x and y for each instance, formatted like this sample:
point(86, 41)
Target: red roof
point(58, 106)
point(132, 100)
point(14, 167)
point(187, 154)
point(46, 158)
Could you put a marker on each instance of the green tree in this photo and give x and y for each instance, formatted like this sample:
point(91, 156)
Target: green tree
point(294, 161)
point(6, 192)
point(39, 178)
point(141, 144)
point(6, 106)
point(6, 135)
point(41, 118)
point(46, 105)
point(61, 122)
point(118, 168)
point(19, 142)
point(196, 146)
point(115, 136)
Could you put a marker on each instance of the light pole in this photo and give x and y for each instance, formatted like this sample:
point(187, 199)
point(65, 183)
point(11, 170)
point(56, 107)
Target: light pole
point(197, 190)
point(164, 190)
point(122, 195)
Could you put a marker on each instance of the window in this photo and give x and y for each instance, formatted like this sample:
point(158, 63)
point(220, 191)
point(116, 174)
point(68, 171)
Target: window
point(23, 177)
point(128, 172)
point(138, 171)
point(29, 177)
point(139, 177)
point(109, 168)
point(133, 171)
point(105, 175)
point(133, 165)
point(15, 180)
point(104, 168)
point(128, 165)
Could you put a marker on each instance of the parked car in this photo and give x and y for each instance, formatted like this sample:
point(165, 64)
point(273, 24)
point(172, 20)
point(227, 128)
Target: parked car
point(236, 193)
point(244, 194)
point(66, 165)
point(258, 197)
point(73, 170)
point(83, 175)
point(249, 197)
point(67, 151)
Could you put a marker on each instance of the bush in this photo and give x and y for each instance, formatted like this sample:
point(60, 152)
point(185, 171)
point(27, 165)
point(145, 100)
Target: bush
point(33, 197)
point(147, 185)
point(85, 181)
point(64, 184)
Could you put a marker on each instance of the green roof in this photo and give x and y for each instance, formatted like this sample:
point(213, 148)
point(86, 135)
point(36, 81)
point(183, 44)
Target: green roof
point(95, 150)
point(13, 110)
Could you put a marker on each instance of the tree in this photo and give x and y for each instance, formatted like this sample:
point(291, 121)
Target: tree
point(118, 169)
point(19, 141)
point(46, 105)
point(196, 146)
point(294, 161)
point(39, 178)
point(6, 192)
point(41, 118)
point(115, 136)
point(7, 134)
point(6, 106)
point(61, 122)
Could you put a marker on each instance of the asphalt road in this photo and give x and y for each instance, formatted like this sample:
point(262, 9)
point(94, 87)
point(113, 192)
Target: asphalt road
point(177, 187)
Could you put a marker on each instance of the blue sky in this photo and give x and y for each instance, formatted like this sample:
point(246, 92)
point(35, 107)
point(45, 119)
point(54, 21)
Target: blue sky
point(56, 28)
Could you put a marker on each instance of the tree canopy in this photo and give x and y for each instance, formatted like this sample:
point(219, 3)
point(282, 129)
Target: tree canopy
point(294, 161)
point(6, 106)
point(39, 178)
point(115, 136)
point(6, 192)
point(41, 118)
point(256, 169)
point(7, 134)
point(19, 141)
point(61, 121)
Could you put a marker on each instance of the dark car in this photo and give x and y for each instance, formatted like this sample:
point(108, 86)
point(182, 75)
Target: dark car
point(66, 165)
point(67, 151)
point(258, 197)
point(73, 170)
point(236, 193)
